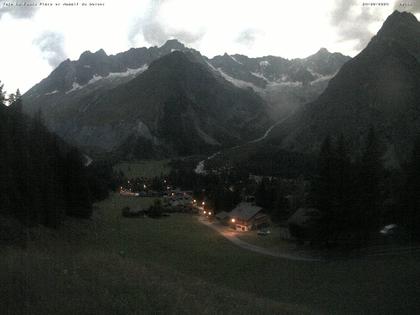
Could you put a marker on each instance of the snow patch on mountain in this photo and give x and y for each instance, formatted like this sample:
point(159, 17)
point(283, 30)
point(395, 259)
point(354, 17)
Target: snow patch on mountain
point(322, 78)
point(264, 64)
point(234, 59)
point(51, 93)
point(113, 75)
point(237, 82)
point(311, 71)
point(260, 75)
point(129, 72)
point(211, 66)
point(284, 84)
point(76, 86)
point(95, 78)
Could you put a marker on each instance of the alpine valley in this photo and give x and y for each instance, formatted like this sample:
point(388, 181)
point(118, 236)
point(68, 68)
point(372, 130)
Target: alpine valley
point(171, 100)
point(378, 89)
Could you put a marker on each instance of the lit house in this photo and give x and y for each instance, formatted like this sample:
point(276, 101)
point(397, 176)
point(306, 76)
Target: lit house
point(247, 216)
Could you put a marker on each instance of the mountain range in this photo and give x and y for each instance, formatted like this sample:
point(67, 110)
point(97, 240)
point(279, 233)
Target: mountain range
point(379, 88)
point(171, 100)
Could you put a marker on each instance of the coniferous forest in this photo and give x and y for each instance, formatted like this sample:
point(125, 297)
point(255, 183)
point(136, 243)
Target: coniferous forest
point(43, 179)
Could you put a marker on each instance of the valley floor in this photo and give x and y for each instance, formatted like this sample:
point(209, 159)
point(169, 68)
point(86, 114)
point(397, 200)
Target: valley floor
point(115, 265)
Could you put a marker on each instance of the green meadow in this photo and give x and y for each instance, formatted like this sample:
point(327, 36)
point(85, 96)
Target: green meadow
point(116, 265)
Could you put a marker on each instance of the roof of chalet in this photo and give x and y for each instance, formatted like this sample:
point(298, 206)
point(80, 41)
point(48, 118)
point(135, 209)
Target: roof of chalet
point(245, 211)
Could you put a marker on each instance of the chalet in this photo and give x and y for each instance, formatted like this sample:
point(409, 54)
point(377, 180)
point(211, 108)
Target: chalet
point(246, 217)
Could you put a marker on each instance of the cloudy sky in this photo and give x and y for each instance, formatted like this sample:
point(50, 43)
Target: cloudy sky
point(36, 38)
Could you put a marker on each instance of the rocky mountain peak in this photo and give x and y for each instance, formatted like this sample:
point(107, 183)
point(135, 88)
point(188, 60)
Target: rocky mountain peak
point(400, 24)
point(323, 51)
point(172, 45)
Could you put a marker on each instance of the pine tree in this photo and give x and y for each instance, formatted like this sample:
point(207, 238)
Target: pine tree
point(12, 99)
point(324, 182)
point(369, 182)
point(343, 190)
point(2, 93)
point(40, 176)
point(17, 104)
point(411, 203)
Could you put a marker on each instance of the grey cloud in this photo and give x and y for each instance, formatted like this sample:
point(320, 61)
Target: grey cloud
point(17, 9)
point(352, 26)
point(155, 32)
point(247, 37)
point(51, 45)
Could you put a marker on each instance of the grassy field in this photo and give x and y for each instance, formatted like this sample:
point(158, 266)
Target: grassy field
point(115, 265)
point(145, 168)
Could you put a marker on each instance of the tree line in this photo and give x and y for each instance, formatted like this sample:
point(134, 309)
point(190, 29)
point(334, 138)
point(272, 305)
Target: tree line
point(42, 179)
point(357, 195)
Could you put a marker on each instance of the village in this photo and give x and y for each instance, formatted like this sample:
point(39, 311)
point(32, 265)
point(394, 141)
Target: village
point(264, 210)
point(246, 216)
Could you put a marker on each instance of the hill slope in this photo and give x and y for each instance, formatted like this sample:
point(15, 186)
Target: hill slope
point(380, 87)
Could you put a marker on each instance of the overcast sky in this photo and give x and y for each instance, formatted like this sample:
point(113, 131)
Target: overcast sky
point(36, 39)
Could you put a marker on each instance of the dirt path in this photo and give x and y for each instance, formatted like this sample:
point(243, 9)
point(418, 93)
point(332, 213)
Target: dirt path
point(231, 236)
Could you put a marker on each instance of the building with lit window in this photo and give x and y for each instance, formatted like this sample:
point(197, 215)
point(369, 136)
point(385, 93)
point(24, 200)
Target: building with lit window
point(246, 216)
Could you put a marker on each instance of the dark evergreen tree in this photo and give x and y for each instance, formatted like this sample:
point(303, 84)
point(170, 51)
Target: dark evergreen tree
point(2, 98)
point(410, 215)
point(334, 189)
point(343, 190)
point(324, 188)
point(369, 183)
point(41, 177)
point(11, 99)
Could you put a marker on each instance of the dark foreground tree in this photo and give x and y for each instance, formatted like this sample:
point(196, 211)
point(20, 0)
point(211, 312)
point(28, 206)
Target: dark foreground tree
point(410, 211)
point(41, 178)
point(369, 183)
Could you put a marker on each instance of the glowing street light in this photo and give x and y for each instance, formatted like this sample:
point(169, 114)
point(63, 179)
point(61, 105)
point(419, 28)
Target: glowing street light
point(233, 220)
point(209, 213)
point(203, 203)
point(205, 212)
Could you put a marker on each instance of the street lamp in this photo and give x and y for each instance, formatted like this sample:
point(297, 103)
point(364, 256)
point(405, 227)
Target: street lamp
point(233, 220)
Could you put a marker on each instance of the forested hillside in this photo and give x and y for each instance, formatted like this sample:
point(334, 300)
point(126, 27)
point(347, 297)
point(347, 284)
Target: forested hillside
point(42, 179)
